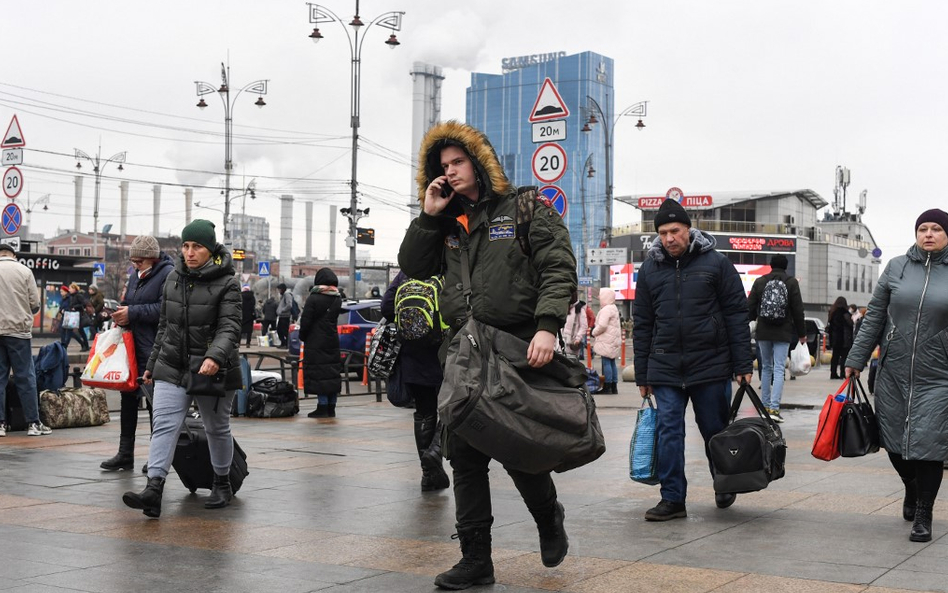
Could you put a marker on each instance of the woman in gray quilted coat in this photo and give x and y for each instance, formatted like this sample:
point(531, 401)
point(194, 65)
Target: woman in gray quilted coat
point(908, 316)
point(199, 330)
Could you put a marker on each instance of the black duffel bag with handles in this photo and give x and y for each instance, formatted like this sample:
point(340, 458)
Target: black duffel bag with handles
point(749, 453)
point(272, 398)
point(529, 419)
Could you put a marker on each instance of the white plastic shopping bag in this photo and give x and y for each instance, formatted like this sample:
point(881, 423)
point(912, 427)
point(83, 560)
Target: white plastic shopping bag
point(111, 363)
point(800, 360)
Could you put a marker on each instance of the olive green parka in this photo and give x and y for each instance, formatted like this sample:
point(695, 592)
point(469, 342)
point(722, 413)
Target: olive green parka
point(205, 303)
point(511, 290)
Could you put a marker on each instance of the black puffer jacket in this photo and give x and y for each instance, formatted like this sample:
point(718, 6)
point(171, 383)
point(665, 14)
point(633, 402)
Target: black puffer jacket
point(690, 317)
point(793, 326)
point(322, 367)
point(206, 304)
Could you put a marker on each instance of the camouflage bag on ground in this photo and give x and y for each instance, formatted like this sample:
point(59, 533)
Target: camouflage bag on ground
point(74, 407)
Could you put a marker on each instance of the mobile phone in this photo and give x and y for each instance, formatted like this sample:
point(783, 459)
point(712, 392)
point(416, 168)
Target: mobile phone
point(446, 189)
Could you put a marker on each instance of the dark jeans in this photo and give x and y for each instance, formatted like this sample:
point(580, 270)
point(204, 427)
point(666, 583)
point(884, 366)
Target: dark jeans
point(66, 335)
point(426, 398)
point(472, 486)
point(17, 354)
point(246, 331)
point(283, 330)
point(711, 402)
point(266, 325)
point(926, 474)
point(129, 411)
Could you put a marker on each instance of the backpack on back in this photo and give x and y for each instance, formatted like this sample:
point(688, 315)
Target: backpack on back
point(52, 367)
point(294, 308)
point(418, 310)
point(774, 302)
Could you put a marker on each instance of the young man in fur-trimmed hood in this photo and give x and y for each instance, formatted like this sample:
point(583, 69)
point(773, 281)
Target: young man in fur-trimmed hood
point(468, 203)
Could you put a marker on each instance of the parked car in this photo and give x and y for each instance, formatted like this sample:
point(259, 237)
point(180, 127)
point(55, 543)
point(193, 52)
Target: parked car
point(356, 320)
point(814, 334)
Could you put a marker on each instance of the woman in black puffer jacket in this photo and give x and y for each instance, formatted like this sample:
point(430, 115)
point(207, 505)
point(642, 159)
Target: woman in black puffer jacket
point(199, 329)
point(322, 366)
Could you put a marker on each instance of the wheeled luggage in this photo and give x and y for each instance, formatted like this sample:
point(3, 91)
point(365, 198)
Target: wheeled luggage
point(240, 396)
point(74, 407)
point(749, 453)
point(192, 459)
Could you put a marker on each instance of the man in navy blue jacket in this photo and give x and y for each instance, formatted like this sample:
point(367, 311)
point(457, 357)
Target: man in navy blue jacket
point(690, 337)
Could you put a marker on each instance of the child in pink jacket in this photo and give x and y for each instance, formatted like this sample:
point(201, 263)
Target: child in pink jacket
point(608, 334)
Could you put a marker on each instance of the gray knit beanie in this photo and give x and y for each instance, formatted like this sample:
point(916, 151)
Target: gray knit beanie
point(145, 247)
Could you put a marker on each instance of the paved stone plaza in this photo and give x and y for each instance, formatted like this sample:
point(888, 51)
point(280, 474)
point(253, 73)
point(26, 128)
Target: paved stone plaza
point(334, 505)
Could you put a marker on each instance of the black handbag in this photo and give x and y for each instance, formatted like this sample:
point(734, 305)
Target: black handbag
point(858, 428)
point(749, 453)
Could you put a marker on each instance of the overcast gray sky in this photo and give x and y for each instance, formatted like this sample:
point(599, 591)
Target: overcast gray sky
point(743, 95)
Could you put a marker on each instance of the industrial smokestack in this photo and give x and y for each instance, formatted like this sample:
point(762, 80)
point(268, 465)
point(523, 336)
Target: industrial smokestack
point(286, 236)
point(123, 201)
point(188, 200)
point(156, 190)
point(77, 218)
point(309, 232)
point(425, 113)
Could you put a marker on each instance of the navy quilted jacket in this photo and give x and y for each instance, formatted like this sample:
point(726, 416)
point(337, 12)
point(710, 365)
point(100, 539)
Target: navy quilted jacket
point(690, 317)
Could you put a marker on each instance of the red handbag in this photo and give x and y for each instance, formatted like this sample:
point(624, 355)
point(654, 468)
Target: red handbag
point(826, 442)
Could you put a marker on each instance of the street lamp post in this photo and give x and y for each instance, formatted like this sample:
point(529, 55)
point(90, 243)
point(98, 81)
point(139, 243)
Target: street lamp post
point(97, 165)
point(258, 87)
point(391, 20)
point(587, 171)
point(30, 205)
point(637, 110)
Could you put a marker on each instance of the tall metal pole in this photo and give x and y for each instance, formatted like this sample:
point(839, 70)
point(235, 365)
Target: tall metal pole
point(390, 20)
point(97, 166)
point(258, 87)
point(582, 195)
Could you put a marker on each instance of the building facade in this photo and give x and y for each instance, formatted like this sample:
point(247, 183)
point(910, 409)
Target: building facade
point(501, 105)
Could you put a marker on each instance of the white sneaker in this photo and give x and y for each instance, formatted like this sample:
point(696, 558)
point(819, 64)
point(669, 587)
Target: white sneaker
point(38, 428)
point(3, 429)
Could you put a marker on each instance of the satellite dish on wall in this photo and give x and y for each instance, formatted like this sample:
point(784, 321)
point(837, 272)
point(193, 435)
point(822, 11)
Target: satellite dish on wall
point(863, 252)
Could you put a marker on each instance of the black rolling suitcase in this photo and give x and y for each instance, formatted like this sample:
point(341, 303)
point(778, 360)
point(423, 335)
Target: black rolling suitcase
point(192, 459)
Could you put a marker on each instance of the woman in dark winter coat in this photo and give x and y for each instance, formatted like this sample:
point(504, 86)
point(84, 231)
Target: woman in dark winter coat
point(322, 367)
point(73, 300)
point(840, 335)
point(418, 371)
point(140, 312)
point(248, 306)
point(908, 316)
point(198, 331)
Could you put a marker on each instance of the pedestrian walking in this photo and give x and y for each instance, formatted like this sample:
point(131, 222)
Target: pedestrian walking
point(140, 312)
point(322, 365)
point(198, 331)
point(775, 303)
point(576, 327)
point(284, 312)
point(73, 300)
point(690, 337)
point(908, 316)
point(469, 205)
point(419, 374)
point(19, 302)
point(608, 334)
point(248, 306)
point(269, 310)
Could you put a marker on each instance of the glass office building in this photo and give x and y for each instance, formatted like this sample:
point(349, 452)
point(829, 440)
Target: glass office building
point(501, 105)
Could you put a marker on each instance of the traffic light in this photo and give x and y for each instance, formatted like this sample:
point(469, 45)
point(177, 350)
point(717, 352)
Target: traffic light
point(365, 236)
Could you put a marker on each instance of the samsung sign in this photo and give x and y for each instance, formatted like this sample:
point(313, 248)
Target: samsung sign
point(508, 64)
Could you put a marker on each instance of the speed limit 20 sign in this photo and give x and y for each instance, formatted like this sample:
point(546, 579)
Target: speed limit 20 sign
point(12, 182)
point(549, 162)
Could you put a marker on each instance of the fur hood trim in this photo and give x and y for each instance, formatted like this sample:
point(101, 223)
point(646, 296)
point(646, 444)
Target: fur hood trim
point(490, 174)
point(698, 242)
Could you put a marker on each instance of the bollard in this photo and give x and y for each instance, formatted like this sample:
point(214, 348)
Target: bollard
point(299, 372)
point(622, 361)
point(365, 362)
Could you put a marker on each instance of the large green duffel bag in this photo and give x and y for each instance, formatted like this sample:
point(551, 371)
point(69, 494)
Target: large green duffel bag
point(531, 420)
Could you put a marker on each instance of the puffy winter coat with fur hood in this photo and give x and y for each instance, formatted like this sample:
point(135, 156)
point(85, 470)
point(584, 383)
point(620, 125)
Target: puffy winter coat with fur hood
point(690, 317)
point(510, 290)
point(608, 330)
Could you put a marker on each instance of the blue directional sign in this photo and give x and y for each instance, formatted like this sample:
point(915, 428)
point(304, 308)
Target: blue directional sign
point(98, 270)
point(263, 269)
point(587, 280)
point(12, 218)
point(556, 196)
